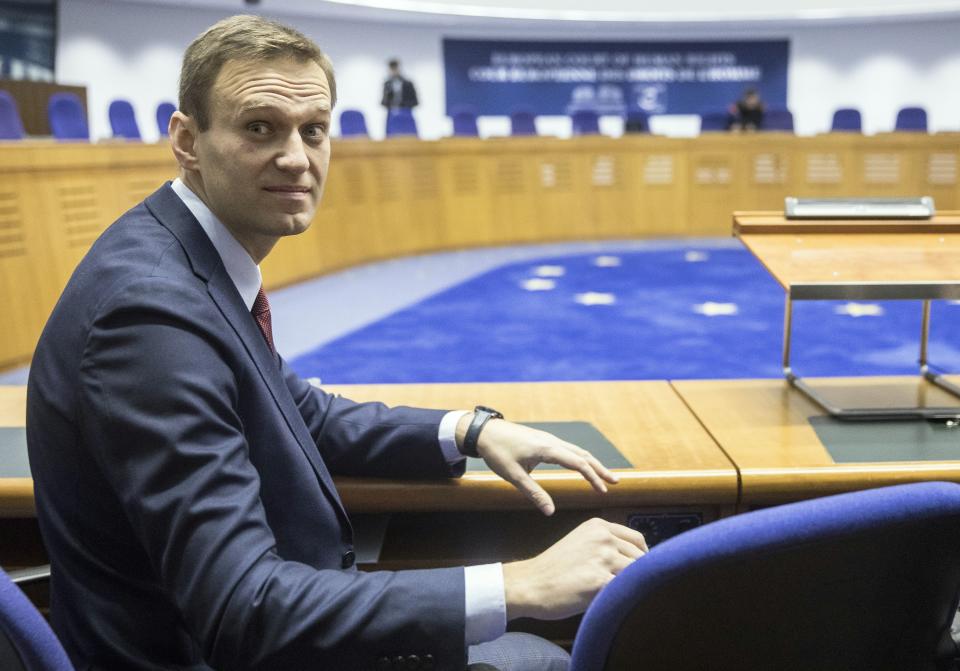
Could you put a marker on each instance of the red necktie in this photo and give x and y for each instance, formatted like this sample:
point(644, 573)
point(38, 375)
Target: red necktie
point(261, 313)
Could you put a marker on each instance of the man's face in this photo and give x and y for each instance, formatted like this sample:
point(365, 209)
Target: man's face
point(263, 160)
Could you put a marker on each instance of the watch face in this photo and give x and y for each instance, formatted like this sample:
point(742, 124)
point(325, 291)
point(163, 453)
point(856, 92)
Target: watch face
point(490, 411)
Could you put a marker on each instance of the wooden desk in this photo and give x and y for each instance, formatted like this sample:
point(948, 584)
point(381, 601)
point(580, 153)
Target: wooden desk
point(874, 259)
point(763, 426)
point(678, 471)
point(16, 494)
point(675, 461)
point(859, 260)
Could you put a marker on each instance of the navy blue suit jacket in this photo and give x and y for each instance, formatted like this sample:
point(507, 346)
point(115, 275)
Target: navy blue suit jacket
point(183, 477)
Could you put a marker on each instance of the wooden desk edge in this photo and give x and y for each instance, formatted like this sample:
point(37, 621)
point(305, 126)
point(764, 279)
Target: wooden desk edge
point(774, 222)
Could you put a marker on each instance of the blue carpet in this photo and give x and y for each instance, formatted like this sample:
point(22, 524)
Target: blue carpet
point(679, 313)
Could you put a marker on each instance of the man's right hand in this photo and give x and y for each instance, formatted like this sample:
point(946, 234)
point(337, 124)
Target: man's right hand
point(562, 580)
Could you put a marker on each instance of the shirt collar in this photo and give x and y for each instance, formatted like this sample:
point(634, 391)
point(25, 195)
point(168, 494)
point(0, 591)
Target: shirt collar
point(237, 262)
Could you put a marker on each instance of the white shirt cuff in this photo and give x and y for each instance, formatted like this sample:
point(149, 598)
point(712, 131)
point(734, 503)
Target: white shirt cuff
point(486, 607)
point(447, 435)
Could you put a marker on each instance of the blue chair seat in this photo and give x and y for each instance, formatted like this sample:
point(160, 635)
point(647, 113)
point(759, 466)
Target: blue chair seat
point(123, 121)
point(912, 120)
point(165, 110)
point(11, 125)
point(522, 123)
point(26, 641)
point(353, 124)
point(400, 123)
point(585, 122)
point(866, 580)
point(846, 119)
point(68, 121)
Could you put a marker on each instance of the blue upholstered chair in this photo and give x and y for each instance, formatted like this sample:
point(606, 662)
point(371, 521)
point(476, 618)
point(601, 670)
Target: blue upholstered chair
point(465, 123)
point(123, 122)
point(865, 580)
point(846, 119)
point(26, 641)
point(67, 119)
point(714, 120)
point(585, 122)
point(636, 121)
point(353, 124)
point(165, 110)
point(400, 123)
point(11, 126)
point(778, 119)
point(522, 122)
point(912, 119)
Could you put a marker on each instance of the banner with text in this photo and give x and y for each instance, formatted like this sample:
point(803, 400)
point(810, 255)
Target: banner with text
point(498, 77)
point(28, 39)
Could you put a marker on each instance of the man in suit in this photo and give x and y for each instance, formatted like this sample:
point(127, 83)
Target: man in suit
point(398, 91)
point(183, 473)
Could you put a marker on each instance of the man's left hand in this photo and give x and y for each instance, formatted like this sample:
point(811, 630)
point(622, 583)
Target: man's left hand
point(513, 450)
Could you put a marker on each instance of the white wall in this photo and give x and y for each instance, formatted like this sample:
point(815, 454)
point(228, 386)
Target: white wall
point(119, 49)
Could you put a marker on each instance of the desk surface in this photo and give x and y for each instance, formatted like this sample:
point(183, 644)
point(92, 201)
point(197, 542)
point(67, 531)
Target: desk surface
point(764, 426)
point(857, 260)
point(675, 460)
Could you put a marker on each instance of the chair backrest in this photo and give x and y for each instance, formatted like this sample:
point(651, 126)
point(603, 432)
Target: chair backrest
point(26, 640)
point(67, 118)
point(465, 123)
point(778, 118)
point(165, 110)
point(522, 122)
point(585, 122)
point(913, 119)
point(11, 126)
point(713, 120)
point(353, 124)
point(866, 580)
point(400, 123)
point(123, 122)
point(636, 122)
point(846, 119)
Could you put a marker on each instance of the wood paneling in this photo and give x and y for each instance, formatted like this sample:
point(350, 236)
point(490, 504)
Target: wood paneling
point(385, 199)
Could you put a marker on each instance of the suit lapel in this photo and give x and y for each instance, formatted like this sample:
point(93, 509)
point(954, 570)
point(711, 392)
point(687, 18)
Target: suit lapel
point(172, 213)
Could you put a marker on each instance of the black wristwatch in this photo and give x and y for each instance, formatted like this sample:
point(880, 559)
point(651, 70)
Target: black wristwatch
point(481, 415)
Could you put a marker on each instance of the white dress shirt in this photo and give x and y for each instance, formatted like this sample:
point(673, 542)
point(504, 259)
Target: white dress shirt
point(486, 611)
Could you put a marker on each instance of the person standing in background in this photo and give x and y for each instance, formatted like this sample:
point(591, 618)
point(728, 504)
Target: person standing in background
point(398, 91)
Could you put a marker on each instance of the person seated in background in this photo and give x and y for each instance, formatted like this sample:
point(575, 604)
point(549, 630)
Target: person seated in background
point(747, 113)
point(183, 472)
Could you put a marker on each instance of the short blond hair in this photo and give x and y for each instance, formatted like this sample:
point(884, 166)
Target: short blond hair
point(244, 37)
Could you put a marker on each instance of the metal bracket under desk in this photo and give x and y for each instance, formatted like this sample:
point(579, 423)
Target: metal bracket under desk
point(872, 414)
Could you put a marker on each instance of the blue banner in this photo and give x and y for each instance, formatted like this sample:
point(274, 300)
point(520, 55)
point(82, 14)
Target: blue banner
point(494, 77)
point(28, 39)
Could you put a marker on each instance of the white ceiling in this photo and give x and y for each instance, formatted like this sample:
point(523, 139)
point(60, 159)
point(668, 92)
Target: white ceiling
point(625, 12)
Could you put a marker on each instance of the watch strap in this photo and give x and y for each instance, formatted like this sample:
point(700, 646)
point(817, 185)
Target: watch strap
point(481, 415)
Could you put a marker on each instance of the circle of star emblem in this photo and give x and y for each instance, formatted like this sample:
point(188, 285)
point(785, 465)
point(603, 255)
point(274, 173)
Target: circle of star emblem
point(859, 310)
point(595, 298)
point(606, 261)
point(538, 284)
point(549, 271)
point(711, 309)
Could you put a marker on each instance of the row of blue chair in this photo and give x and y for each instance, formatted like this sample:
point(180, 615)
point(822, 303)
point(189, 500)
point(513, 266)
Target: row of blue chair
point(587, 122)
point(863, 580)
point(909, 119)
point(401, 123)
point(68, 120)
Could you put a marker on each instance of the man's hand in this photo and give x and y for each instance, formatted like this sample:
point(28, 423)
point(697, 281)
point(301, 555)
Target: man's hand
point(513, 450)
point(563, 580)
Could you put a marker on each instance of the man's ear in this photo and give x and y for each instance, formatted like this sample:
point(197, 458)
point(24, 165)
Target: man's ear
point(183, 137)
